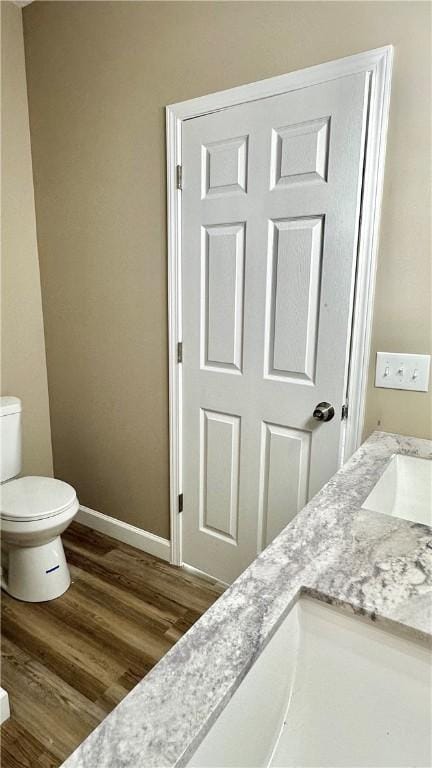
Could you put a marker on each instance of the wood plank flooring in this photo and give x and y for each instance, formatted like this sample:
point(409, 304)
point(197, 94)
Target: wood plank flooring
point(67, 663)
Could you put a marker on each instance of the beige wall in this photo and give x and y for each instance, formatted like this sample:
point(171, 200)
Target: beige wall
point(99, 76)
point(23, 365)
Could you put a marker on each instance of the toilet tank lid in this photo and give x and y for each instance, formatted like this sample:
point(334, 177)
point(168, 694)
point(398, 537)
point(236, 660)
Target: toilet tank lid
point(9, 405)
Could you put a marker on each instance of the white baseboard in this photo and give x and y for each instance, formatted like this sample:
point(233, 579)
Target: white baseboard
point(4, 705)
point(128, 534)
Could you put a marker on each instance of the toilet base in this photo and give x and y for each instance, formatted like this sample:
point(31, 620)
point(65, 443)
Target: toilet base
point(36, 574)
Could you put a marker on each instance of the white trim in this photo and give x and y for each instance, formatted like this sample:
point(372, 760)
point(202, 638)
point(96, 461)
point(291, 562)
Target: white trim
point(128, 534)
point(173, 128)
point(368, 61)
point(373, 184)
point(378, 63)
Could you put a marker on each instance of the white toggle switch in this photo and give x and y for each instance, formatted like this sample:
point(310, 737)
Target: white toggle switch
point(402, 371)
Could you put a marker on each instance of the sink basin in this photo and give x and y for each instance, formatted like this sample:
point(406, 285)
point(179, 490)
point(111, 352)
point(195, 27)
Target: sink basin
point(404, 490)
point(331, 690)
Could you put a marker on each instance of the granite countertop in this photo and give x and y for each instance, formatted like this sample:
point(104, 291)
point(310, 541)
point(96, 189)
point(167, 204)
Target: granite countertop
point(373, 564)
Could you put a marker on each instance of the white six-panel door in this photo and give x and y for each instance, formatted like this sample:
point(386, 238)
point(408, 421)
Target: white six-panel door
point(270, 215)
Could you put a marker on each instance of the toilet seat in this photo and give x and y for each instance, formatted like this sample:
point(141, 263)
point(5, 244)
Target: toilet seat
point(35, 498)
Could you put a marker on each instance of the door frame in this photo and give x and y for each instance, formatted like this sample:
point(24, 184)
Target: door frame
point(378, 63)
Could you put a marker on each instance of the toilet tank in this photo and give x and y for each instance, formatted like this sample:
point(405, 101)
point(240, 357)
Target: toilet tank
point(10, 437)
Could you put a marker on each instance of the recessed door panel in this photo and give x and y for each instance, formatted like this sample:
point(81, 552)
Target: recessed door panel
point(293, 293)
point(222, 296)
point(224, 167)
point(220, 455)
point(285, 456)
point(300, 153)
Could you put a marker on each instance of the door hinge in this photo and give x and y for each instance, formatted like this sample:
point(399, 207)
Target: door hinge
point(180, 503)
point(180, 352)
point(344, 411)
point(179, 176)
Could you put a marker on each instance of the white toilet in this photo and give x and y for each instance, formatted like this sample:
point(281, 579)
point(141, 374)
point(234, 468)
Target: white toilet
point(34, 511)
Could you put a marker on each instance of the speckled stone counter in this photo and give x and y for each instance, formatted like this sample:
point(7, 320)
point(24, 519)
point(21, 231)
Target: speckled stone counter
point(373, 564)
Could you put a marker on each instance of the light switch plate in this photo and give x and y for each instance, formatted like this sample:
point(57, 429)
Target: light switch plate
point(396, 370)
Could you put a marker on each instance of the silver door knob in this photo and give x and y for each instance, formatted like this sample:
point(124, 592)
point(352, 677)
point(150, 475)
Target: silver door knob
point(323, 412)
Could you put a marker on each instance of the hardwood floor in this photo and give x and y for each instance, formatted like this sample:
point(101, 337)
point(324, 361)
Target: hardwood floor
point(67, 663)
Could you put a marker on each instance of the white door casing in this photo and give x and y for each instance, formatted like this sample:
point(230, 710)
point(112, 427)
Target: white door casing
point(270, 212)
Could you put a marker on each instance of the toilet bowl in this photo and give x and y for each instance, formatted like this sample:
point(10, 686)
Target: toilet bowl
point(34, 512)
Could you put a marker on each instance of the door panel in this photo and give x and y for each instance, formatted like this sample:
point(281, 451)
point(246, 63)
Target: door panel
point(300, 152)
point(284, 477)
point(219, 477)
point(222, 295)
point(294, 280)
point(270, 209)
point(224, 167)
